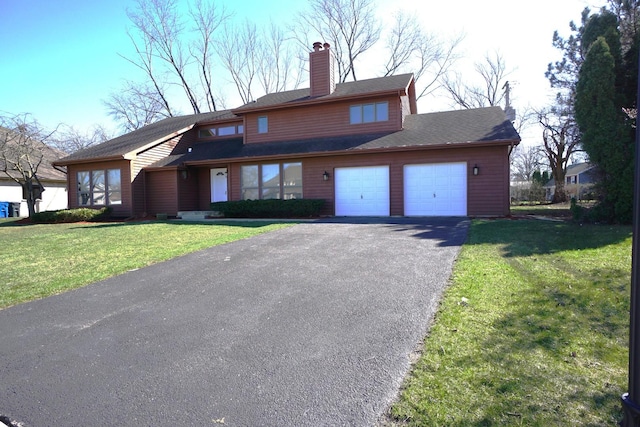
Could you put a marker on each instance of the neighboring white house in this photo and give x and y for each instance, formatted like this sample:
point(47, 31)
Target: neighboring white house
point(54, 196)
point(54, 182)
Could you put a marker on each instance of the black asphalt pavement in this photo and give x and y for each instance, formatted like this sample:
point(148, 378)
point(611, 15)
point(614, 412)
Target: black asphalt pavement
point(312, 325)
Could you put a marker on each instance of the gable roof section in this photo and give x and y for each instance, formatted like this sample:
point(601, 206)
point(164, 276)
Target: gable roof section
point(436, 130)
point(134, 142)
point(376, 86)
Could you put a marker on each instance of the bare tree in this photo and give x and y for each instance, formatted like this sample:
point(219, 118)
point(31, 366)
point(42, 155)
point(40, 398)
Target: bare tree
point(207, 18)
point(561, 140)
point(22, 153)
point(259, 60)
point(169, 53)
point(136, 105)
point(69, 139)
point(492, 73)
point(411, 49)
point(350, 26)
point(238, 51)
point(278, 68)
point(525, 160)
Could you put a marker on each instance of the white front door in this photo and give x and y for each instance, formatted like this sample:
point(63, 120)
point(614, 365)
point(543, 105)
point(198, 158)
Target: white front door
point(362, 191)
point(219, 185)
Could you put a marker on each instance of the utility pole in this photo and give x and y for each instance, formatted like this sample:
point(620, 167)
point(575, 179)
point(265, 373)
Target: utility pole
point(630, 400)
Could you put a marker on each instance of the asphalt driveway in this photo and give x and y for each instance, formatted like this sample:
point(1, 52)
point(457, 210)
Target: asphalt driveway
point(306, 326)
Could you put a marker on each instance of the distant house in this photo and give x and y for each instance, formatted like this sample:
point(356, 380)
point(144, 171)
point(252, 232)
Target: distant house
point(360, 146)
point(579, 181)
point(54, 192)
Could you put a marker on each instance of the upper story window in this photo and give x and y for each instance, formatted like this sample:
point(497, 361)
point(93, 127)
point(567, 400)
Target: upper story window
point(369, 113)
point(263, 124)
point(226, 130)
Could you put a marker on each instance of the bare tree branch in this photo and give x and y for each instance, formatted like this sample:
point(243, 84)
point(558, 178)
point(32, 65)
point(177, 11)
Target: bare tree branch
point(207, 20)
point(22, 153)
point(350, 26)
point(492, 73)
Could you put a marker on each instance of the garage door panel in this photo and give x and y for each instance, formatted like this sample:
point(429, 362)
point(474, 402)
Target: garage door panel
point(362, 191)
point(435, 189)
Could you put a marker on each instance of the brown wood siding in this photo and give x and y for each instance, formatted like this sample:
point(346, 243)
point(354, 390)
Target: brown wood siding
point(188, 191)
point(142, 160)
point(204, 188)
point(319, 121)
point(162, 192)
point(123, 210)
point(487, 193)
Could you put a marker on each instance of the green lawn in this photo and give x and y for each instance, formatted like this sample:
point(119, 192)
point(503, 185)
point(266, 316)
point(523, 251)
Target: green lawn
point(532, 331)
point(41, 260)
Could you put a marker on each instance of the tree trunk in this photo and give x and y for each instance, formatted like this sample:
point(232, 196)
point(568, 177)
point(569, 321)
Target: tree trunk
point(560, 195)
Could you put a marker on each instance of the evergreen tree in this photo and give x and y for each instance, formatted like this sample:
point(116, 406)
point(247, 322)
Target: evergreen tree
point(606, 134)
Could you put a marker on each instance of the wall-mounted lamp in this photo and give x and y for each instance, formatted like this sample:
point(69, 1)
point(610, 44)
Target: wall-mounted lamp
point(184, 174)
point(476, 170)
point(325, 176)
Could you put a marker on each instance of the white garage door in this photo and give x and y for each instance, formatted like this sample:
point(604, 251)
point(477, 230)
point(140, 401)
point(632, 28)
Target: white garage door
point(362, 191)
point(435, 189)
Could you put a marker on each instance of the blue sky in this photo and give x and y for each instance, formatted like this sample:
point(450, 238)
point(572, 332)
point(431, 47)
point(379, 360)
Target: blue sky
point(60, 59)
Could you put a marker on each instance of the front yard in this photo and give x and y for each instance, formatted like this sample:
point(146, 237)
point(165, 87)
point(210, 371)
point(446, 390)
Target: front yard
point(533, 330)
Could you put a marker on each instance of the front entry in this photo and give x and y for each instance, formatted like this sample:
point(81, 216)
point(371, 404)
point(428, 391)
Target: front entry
point(219, 185)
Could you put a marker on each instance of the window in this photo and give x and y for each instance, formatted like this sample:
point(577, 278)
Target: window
point(206, 133)
point(240, 129)
point(99, 187)
point(271, 181)
point(263, 124)
point(369, 113)
point(250, 182)
point(227, 130)
point(292, 180)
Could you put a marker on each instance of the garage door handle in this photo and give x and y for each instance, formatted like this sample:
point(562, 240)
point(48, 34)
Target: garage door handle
point(434, 194)
point(361, 196)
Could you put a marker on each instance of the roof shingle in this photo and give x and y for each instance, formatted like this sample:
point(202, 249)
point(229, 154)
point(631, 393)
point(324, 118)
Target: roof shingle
point(450, 128)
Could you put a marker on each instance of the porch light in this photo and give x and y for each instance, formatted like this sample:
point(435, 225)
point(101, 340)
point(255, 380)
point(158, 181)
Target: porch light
point(184, 174)
point(476, 170)
point(325, 176)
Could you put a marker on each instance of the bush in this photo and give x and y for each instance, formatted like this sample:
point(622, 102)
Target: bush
point(71, 215)
point(271, 208)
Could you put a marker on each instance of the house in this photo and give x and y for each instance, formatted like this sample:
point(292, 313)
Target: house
point(54, 186)
point(579, 182)
point(361, 146)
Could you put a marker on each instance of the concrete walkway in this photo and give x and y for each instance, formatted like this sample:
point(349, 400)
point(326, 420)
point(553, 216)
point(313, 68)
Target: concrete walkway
point(311, 325)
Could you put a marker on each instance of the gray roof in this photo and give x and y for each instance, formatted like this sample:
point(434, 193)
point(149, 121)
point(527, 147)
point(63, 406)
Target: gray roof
point(360, 87)
point(140, 138)
point(586, 168)
point(46, 171)
point(450, 128)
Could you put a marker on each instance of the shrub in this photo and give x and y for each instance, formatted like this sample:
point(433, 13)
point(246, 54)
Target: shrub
point(71, 215)
point(271, 208)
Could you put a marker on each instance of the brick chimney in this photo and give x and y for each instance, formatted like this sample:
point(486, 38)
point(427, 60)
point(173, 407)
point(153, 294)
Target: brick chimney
point(321, 64)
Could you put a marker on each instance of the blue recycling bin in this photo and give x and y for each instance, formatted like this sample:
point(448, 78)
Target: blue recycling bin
point(4, 209)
